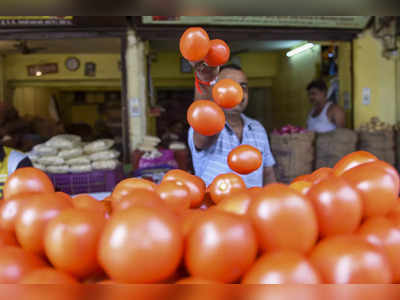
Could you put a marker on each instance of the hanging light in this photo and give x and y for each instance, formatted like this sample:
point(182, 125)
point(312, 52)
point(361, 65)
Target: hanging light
point(299, 49)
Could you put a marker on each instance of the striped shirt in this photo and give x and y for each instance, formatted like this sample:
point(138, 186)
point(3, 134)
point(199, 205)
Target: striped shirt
point(212, 161)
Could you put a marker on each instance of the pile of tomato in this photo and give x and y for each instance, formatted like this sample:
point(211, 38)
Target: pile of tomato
point(339, 225)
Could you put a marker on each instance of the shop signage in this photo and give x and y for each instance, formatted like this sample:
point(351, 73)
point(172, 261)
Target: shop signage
point(36, 20)
point(42, 69)
point(345, 22)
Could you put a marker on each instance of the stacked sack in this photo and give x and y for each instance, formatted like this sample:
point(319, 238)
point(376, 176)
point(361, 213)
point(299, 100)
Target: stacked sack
point(377, 137)
point(68, 154)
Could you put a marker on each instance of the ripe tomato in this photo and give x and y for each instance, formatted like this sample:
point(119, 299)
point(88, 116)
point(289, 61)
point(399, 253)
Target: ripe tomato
point(9, 210)
point(206, 117)
point(301, 186)
point(338, 206)
point(195, 185)
point(227, 93)
point(283, 219)
point(225, 185)
point(349, 259)
point(139, 197)
point(194, 44)
point(126, 186)
point(282, 267)
point(255, 191)
point(87, 202)
point(221, 247)
point(189, 218)
point(47, 276)
point(195, 280)
point(377, 186)
point(238, 203)
point(218, 54)
point(320, 175)
point(302, 178)
point(245, 159)
point(31, 223)
point(27, 180)
point(71, 240)
point(380, 232)
point(65, 195)
point(353, 160)
point(394, 214)
point(15, 263)
point(7, 238)
point(141, 245)
point(175, 195)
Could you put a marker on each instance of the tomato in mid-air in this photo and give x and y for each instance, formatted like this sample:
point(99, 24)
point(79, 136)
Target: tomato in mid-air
point(225, 185)
point(353, 160)
point(206, 117)
point(218, 54)
point(194, 44)
point(245, 159)
point(227, 93)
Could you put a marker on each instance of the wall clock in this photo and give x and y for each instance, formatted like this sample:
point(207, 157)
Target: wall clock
point(72, 63)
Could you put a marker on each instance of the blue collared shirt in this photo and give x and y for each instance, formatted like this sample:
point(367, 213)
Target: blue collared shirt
point(212, 161)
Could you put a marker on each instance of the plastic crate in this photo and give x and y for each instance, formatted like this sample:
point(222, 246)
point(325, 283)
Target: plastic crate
point(90, 182)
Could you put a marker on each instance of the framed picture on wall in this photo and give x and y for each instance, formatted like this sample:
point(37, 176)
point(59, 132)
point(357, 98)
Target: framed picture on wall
point(90, 69)
point(185, 66)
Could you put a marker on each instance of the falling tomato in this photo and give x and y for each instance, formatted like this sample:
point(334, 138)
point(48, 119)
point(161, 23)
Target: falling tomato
point(194, 44)
point(206, 117)
point(245, 159)
point(218, 54)
point(227, 93)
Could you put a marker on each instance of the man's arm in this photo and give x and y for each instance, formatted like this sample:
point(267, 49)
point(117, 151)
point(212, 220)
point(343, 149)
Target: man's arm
point(269, 175)
point(338, 116)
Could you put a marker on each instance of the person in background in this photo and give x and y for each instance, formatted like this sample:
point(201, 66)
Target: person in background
point(12, 127)
point(174, 133)
point(325, 116)
point(109, 125)
point(209, 154)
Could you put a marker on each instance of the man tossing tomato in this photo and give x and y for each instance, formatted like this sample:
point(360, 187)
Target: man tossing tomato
point(209, 153)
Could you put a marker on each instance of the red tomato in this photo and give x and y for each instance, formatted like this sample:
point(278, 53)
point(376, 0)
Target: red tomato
point(381, 232)
point(221, 247)
point(378, 188)
point(225, 185)
point(353, 160)
point(65, 195)
point(126, 186)
point(350, 259)
point(7, 238)
point(338, 206)
point(282, 267)
point(27, 180)
point(394, 214)
point(10, 210)
point(15, 263)
point(245, 159)
point(175, 195)
point(227, 93)
point(47, 276)
point(283, 220)
point(195, 280)
point(139, 197)
point(238, 203)
point(218, 54)
point(31, 223)
point(141, 245)
point(320, 175)
point(194, 44)
point(195, 185)
point(189, 218)
point(301, 186)
point(255, 191)
point(302, 178)
point(87, 202)
point(206, 117)
point(71, 241)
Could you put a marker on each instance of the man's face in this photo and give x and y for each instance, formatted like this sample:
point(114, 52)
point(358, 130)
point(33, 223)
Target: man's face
point(316, 96)
point(240, 78)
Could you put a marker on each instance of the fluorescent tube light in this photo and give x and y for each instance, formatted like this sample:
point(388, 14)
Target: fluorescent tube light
point(299, 49)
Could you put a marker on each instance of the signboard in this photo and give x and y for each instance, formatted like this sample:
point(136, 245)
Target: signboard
point(39, 70)
point(344, 22)
point(36, 20)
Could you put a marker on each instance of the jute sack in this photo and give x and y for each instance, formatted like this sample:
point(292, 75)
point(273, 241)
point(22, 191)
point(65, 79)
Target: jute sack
point(380, 143)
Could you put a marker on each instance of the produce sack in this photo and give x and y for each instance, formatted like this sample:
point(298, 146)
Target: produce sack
point(380, 143)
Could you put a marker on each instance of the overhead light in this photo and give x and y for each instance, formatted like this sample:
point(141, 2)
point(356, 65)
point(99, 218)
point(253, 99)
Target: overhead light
point(38, 73)
point(299, 49)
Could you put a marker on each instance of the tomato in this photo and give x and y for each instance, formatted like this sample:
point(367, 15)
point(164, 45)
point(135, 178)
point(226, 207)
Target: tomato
point(206, 117)
point(27, 180)
point(302, 178)
point(129, 185)
point(207, 202)
point(194, 44)
point(195, 280)
point(15, 263)
point(349, 259)
point(71, 240)
point(377, 186)
point(338, 206)
point(31, 223)
point(47, 276)
point(7, 238)
point(255, 191)
point(227, 93)
point(225, 185)
point(221, 247)
point(189, 218)
point(141, 245)
point(218, 54)
point(9, 210)
point(65, 195)
point(283, 219)
point(238, 203)
point(282, 267)
point(381, 232)
point(245, 159)
point(353, 160)
point(175, 195)
point(320, 175)
point(301, 186)
point(394, 214)
point(196, 185)
point(87, 202)
point(139, 197)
